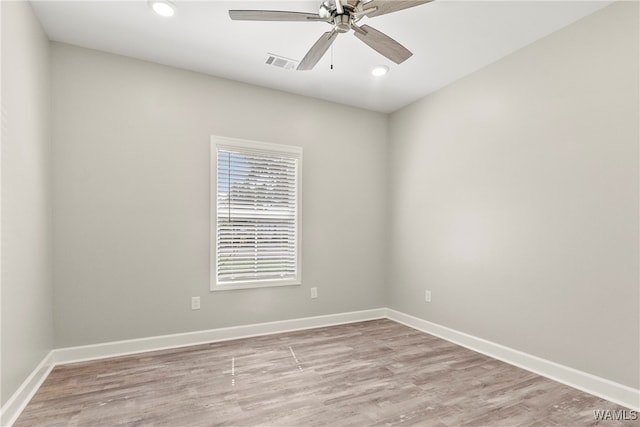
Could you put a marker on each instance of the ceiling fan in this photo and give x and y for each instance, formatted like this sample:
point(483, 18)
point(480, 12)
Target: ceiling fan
point(343, 15)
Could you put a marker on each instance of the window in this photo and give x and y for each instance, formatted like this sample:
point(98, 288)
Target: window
point(255, 233)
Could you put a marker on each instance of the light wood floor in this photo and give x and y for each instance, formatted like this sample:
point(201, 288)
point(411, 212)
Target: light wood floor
point(362, 374)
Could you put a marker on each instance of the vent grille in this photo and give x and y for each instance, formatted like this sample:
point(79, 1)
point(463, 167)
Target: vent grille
point(280, 62)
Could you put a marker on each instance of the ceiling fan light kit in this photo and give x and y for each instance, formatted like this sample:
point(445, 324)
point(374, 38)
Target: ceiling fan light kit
point(343, 16)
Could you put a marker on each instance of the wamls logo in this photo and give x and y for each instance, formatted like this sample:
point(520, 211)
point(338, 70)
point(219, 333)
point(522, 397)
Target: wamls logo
point(615, 415)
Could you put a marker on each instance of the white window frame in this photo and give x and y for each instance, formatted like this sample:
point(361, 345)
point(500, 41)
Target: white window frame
point(271, 149)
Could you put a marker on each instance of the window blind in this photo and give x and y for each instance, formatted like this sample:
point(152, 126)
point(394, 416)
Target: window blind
point(256, 215)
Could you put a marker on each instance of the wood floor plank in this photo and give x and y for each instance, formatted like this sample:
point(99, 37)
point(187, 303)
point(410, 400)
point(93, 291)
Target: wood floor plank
point(362, 374)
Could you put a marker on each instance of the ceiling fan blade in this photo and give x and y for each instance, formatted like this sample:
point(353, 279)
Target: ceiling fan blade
point(383, 7)
point(273, 15)
point(317, 51)
point(383, 44)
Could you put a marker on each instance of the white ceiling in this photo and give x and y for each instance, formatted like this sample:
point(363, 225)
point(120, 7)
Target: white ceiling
point(449, 39)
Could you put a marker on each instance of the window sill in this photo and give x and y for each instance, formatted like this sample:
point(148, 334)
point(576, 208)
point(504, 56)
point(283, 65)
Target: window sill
point(252, 285)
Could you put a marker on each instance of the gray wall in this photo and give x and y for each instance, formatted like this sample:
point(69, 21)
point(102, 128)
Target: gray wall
point(131, 198)
point(514, 196)
point(27, 318)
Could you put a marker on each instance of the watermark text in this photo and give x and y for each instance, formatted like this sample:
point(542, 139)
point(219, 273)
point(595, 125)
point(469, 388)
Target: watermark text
point(615, 415)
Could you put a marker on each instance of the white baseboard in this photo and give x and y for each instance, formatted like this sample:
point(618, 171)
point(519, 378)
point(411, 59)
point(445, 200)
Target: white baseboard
point(609, 390)
point(18, 401)
point(597, 386)
point(121, 348)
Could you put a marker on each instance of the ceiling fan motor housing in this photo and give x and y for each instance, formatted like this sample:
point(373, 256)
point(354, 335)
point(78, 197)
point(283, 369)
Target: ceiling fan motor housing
point(342, 23)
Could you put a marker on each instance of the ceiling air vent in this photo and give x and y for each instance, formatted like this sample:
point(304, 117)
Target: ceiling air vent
point(280, 62)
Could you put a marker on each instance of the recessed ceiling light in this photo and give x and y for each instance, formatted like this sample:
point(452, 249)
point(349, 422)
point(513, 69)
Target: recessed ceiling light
point(162, 7)
point(380, 70)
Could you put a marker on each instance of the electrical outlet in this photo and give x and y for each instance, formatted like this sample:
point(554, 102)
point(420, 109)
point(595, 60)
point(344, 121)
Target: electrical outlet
point(314, 292)
point(195, 303)
point(427, 296)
